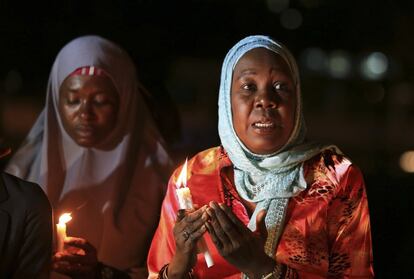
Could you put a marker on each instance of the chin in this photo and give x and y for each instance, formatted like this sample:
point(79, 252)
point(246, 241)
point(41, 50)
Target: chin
point(88, 143)
point(264, 150)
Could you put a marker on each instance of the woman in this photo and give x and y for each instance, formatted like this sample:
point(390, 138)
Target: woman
point(97, 154)
point(271, 205)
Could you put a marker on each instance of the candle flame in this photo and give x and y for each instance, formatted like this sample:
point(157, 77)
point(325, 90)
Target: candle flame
point(64, 218)
point(182, 178)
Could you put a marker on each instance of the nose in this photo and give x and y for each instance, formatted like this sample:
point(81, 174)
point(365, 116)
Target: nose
point(86, 110)
point(266, 99)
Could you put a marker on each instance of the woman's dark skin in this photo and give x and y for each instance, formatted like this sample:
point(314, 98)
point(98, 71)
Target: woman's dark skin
point(263, 101)
point(184, 258)
point(237, 244)
point(88, 107)
point(78, 260)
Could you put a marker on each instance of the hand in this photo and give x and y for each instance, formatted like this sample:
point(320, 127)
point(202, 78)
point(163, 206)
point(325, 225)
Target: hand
point(188, 229)
point(236, 243)
point(78, 260)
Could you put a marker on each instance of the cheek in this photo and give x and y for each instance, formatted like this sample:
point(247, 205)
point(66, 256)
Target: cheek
point(67, 114)
point(240, 110)
point(289, 117)
point(238, 119)
point(107, 117)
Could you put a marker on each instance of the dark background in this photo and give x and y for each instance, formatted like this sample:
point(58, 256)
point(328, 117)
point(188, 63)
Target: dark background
point(179, 46)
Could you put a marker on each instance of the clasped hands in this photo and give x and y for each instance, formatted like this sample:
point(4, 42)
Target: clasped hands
point(78, 260)
point(234, 241)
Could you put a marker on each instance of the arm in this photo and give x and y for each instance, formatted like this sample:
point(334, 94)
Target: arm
point(176, 237)
point(349, 229)
point(163, 239)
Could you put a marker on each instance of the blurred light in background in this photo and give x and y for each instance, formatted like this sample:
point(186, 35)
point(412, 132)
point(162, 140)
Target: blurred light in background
point(291, 19)
point(314, 59)
point(339, 64)
point(407, 161)
point(277, 6)
point(374, 66)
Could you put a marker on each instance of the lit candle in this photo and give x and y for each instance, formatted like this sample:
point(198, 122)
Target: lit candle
point(186, 202)
point(61, 230)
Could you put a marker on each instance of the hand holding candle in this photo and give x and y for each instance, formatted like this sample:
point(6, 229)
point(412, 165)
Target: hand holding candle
point(61, 230)
point(186, 202)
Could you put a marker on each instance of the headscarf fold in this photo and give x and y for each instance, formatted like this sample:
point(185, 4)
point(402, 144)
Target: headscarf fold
point(125, 182)
point(267, 180)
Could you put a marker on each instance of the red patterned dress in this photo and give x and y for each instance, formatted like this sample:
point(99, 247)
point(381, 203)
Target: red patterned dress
point(327, 228)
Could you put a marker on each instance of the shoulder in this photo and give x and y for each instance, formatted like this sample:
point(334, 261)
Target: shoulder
point(330, 170)
point(204, 164)
point(27, 193)
point(207, 158)
point(203, 161)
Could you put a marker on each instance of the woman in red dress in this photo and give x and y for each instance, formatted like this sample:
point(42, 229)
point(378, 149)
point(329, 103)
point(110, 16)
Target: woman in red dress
point(270, 203)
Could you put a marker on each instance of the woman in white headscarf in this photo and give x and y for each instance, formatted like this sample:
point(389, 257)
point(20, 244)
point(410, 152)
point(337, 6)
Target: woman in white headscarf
point(270, 203)
point(97, 154)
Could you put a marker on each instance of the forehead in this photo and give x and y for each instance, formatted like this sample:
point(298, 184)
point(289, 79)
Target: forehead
point(84, 81)
point(261, 58)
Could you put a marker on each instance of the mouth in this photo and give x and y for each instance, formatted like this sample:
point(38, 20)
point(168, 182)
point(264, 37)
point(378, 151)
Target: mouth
point(265, 123)
point(265, 126)
point(85, 131)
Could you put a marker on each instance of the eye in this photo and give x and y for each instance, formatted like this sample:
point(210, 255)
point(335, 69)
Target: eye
point(72, 100)
point(101, 100)
point(281, 87)
point(248, 86)
point(278, 86)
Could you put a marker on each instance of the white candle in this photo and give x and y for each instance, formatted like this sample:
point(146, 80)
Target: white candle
point(61, 230)
point(184, 198)
point(186, 202)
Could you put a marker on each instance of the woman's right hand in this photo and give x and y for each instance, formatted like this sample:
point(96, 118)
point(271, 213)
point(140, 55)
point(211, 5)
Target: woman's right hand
point(78, 260)
point(188, 229)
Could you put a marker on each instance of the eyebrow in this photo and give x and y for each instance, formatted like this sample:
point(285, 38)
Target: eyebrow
point(247, 72)
point(251, 71)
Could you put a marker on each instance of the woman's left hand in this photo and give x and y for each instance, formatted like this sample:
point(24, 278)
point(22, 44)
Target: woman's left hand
point(78, 260)
point(238, 244)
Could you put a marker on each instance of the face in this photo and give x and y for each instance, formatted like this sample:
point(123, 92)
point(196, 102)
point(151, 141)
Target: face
point(263, 101)
point(88, 107)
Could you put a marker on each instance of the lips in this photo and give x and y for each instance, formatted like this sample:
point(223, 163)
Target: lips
point(85, 130)
point(265, 126)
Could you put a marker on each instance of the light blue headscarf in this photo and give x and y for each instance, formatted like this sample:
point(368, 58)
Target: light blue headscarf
point(267, 180)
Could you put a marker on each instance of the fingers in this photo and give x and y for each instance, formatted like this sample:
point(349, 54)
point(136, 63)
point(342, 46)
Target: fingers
point(180, 215)
point(73, 264)
point(79, 258)
point(218, 241)
point(73, 258)
point(189, 226)
point(236, 221)
point(72, 269)
point(226, 225)
point(81, 244)
point(219, 235)
point(195, 215)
